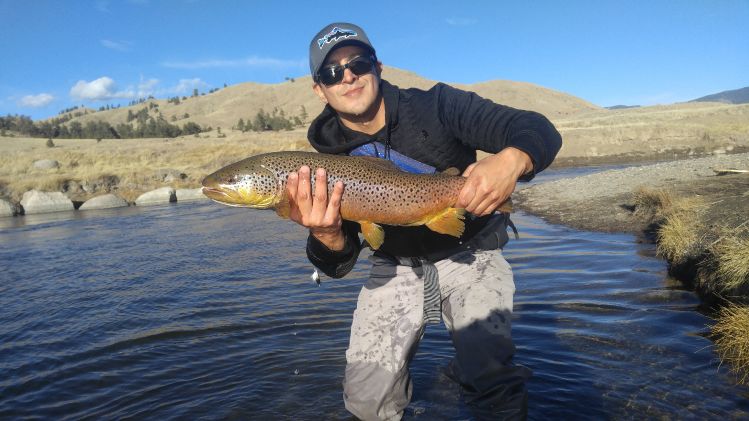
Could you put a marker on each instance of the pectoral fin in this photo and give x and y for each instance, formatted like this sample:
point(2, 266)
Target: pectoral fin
point(373, 233)
point(283, 208)
point(449, 221)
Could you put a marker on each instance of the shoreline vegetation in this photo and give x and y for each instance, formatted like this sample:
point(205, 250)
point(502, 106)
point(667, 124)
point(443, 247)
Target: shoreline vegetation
point(710, 254)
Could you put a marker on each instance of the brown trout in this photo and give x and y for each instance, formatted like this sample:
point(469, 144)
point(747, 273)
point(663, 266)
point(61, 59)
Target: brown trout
point(375, 192)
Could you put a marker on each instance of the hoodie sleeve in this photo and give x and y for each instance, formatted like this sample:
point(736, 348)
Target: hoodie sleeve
point(481, 124)
point(335, 264)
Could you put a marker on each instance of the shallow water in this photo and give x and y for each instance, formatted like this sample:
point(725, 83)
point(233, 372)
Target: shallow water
point(205, 311)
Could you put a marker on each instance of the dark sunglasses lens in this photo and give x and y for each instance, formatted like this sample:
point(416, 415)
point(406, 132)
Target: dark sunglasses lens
point(331, 75)
point(360, 66)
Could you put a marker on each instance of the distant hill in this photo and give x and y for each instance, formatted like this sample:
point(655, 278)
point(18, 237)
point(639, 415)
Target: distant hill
point(621, 107)
point(224, 107)
point(736, 96)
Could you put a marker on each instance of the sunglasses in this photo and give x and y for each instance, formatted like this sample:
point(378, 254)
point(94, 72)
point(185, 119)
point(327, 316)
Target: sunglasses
point(330, 75)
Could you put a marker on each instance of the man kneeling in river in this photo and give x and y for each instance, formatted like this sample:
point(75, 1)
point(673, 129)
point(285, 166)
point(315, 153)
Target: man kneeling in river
point(418, 275)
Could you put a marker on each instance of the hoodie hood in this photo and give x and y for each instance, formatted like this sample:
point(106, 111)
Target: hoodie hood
point(328, 135)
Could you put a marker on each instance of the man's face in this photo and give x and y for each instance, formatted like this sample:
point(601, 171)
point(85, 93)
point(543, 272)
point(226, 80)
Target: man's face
point(354, 95)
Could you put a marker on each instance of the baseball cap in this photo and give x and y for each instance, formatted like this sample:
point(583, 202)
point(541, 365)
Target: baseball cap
point(333, 36)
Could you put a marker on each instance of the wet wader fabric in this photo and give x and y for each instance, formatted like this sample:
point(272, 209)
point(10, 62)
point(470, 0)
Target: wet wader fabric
point(476, 290)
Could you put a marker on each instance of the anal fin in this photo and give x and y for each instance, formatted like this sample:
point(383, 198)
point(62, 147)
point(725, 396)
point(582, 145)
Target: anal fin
point(373, 233)
point(505, 206)
point(449, 221)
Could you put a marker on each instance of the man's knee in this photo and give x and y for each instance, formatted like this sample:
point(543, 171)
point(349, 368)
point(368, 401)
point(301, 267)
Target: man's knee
point(373, 393)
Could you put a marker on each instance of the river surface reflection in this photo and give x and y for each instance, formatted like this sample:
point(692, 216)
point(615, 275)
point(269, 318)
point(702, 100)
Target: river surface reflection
point(205, 311)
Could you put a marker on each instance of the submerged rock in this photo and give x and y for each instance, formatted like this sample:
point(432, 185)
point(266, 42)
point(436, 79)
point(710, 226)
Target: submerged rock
point(7, 208)
point(157, 197)
point(184, 195)
point(46, 164)
point(35, 201)
point(105, 201)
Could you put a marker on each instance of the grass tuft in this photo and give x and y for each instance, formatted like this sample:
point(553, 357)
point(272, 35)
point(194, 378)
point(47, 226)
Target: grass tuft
point(732, 341)
point(650, 203)
point(677, 237)
point(677, 240)
point(727, 267)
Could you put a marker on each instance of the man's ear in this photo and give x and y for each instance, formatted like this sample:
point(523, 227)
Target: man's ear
point(378, 67)
point(318, 90)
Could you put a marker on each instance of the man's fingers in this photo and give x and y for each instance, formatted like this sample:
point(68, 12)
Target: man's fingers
point(292, 183)
point(334, 205)
point(486, 207)
point(320, 200)
point(304, 191)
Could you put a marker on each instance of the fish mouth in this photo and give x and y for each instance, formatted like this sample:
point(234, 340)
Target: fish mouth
point(221, 196)
point(213, 192)
point(237, 198)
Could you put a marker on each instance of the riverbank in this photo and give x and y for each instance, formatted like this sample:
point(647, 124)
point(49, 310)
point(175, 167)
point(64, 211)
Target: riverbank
point(708, 203)
point(604, 201)
point(695, 211)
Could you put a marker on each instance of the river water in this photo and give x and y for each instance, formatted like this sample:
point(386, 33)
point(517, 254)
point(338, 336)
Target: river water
point(201, 311)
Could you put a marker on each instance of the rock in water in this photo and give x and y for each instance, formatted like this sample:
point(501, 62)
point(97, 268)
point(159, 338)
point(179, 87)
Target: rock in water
point(7, 208)
point(160, 196)
point(106, 201)
point(35, 201)
point(184, 195)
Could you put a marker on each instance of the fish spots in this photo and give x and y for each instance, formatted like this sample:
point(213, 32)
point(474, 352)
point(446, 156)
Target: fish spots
point(374, 190)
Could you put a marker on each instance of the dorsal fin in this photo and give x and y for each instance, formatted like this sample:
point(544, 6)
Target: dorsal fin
point(380, 163)
point(451, 171)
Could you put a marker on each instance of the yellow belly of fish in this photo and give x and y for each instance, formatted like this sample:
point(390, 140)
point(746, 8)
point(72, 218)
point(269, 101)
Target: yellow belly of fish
point(448, 220)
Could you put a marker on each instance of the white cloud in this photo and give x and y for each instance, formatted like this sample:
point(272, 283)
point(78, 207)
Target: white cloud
point(123, 46)
point(36, 101)
point(104, 89)
point(187, 85)
point(101, 89)
point(461, 21)
point(253, 61)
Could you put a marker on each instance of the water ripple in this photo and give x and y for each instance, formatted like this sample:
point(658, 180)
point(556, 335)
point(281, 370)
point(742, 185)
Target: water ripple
point(204, 311)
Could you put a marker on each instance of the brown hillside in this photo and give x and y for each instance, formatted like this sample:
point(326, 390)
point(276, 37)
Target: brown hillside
point(527, 96)
point(226, 106)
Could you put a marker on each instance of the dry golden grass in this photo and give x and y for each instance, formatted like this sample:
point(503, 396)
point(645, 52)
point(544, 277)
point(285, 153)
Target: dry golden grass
point(731, 332)
point(727, 267)
point(135, 162)
point(733, 261)
point(650, 202)
point(677, 237)
point(690, 128)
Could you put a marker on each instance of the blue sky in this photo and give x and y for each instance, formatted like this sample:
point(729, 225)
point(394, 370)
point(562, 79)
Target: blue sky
point(57, 54)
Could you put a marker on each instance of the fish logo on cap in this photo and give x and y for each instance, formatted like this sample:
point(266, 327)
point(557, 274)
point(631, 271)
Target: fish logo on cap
point(335, 35)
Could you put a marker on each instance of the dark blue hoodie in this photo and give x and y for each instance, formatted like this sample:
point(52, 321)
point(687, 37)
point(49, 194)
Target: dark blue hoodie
point(442, 127)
